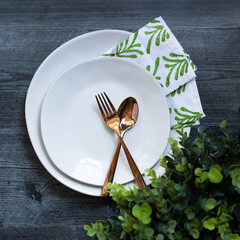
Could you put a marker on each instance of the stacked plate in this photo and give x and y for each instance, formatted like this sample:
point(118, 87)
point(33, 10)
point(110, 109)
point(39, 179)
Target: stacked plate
point(65, 126)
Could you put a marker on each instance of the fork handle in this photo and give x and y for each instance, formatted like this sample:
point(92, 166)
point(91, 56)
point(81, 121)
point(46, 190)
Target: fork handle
point(136, 173)
point(111, 170)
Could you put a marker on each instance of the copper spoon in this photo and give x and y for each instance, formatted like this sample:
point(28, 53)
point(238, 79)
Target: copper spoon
point(128, 114)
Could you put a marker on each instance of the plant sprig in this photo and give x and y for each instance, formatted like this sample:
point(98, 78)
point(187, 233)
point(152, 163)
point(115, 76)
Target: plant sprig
point(198, 197)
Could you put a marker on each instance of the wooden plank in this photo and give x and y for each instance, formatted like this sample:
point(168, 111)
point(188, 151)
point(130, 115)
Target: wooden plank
point(210, 49)
point(36, 206)
point(95, 14)
point(34, 198)
point(58, 232)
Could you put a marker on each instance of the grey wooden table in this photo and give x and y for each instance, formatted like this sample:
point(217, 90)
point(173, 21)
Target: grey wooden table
point(33, 205)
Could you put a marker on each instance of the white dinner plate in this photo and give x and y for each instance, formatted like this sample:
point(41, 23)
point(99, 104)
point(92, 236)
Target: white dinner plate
point(75, 136)
point(77, 50)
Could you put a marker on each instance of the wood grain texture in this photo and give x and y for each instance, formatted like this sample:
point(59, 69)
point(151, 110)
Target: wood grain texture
point(33, 205)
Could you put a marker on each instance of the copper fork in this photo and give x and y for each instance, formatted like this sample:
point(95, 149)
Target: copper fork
point(111, 118)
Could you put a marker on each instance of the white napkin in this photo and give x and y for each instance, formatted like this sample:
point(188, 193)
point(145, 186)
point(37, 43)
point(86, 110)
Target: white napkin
point(156, 49)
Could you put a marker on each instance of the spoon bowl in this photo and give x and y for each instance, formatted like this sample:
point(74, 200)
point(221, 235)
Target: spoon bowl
point(128, 114)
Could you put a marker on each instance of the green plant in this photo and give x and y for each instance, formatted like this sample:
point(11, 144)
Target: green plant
point(198, 197)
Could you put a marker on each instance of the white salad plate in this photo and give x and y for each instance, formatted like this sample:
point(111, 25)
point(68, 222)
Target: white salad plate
point(75, 136)
point(79, 49)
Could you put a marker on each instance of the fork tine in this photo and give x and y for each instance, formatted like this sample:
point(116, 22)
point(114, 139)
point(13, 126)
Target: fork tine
point(106, 111)
point(100, 108)
point(113, 108)
point(110, 111)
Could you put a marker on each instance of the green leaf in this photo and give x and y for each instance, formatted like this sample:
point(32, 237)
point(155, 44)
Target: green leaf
point(187, 142)
point(180, 168)
point(101, 236)
point(200, 181)
point(235, 175)
point(148, 232)
point(91, 232)
point(121, 218)
point(142, 212)
point(190, 212)
point(127, 225)
point(154, 192)
point(214, 174)
point(180, 204)
point(233, 237)
point(198, 172)
point(223, 124)
point(223, 127)
point(160, 237)
point(86, 227)
point(210, 204)
point(135, 191)
point(199, 142)
point(194, 233)
point(171, 226)
point(201, 129)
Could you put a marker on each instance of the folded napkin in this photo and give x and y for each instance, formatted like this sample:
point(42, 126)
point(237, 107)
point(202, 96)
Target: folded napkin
point(156, 49)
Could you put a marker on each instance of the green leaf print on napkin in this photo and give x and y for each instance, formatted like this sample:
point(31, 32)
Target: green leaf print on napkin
point(123, 49)
point(180, 90)
point(187, 118)
point(156, 66)
point(181, 66)
point(161, 32)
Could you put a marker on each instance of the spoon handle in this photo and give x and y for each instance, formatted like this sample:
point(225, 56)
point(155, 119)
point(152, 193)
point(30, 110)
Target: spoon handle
point(111, 170)
point(136, 173)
